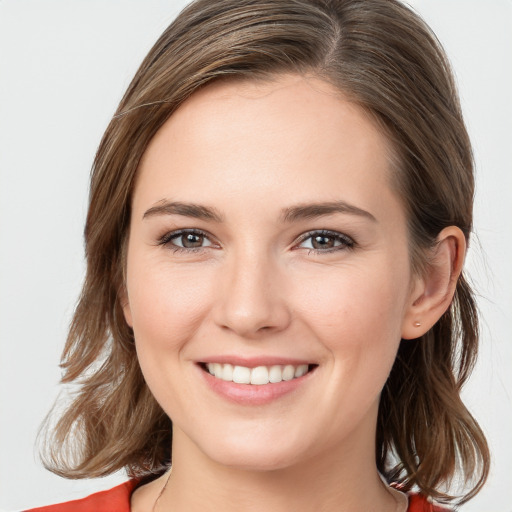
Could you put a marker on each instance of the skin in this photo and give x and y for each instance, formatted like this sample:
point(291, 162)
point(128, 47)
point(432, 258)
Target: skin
point(250, 151)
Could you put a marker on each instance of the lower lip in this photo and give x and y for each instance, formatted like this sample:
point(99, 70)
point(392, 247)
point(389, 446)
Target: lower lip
point(251, 394)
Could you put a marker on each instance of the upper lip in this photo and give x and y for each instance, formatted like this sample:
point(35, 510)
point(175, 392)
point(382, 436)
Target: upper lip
point(253, 362)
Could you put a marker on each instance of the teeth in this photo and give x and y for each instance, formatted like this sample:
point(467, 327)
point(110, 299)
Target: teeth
point(275, 374)
point(217, 370)
point(301, 370)
point(241, 375)
point(227, 372)
point(288, 372)
point(259, 375)
point(256, 376)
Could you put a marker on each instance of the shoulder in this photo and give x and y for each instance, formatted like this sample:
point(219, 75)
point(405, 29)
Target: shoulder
point(116, 499)
point(418, 503)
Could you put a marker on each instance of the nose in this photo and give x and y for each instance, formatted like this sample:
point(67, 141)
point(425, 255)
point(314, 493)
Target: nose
point(253, 297)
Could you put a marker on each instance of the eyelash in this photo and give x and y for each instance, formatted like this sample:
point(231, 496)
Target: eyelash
point(166, 240)
point(344, 241)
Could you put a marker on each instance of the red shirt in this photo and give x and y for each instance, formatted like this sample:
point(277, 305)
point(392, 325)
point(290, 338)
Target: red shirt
point(118, 500)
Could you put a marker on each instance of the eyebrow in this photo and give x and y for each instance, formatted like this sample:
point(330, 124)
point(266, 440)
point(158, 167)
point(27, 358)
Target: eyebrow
point(310, 211)
point(196, 211)
point(289, 215)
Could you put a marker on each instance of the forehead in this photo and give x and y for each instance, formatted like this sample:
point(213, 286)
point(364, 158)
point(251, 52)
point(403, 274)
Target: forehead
point(301, 101)
point(294, 133)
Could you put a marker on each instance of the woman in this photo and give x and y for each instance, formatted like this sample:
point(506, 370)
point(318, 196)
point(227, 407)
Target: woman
point(278, 219)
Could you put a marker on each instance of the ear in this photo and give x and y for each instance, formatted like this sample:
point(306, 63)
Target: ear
point(125, 304)
point(432, 292)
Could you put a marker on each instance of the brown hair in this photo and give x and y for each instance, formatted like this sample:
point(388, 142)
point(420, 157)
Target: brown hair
point(384, 58)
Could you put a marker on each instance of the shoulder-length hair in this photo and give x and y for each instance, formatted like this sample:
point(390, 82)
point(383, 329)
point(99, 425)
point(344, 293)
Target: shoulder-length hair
point(385, 59)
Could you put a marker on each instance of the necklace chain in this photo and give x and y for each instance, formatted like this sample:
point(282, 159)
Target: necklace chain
point(162, 491)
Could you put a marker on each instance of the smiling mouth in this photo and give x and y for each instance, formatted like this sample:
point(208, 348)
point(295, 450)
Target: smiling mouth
point(258, 376)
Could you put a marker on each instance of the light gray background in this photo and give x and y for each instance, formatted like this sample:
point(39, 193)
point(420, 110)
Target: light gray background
point(64, 65)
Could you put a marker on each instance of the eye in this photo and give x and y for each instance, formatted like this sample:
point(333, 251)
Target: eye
point(325, 241)
point(186, 240)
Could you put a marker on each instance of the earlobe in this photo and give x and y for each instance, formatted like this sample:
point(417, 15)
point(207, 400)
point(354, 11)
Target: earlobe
point(433, 292)
point(128, 315)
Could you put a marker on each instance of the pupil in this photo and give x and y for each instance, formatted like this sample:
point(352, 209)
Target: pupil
point(321, 242)
point(190, 240)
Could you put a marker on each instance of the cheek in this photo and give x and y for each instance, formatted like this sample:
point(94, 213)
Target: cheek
point(168, 305)
point(357, 315)
point(356, 305)
point(166, 302)
point(167, 308)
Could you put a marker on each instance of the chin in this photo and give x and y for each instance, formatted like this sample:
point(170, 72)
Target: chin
point(258, 461)
point(254, 454)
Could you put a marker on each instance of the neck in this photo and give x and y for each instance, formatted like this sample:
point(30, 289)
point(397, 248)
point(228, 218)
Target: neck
point(338, 481)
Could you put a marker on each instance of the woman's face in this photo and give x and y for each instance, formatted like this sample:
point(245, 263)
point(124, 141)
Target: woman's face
point(265, 242)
